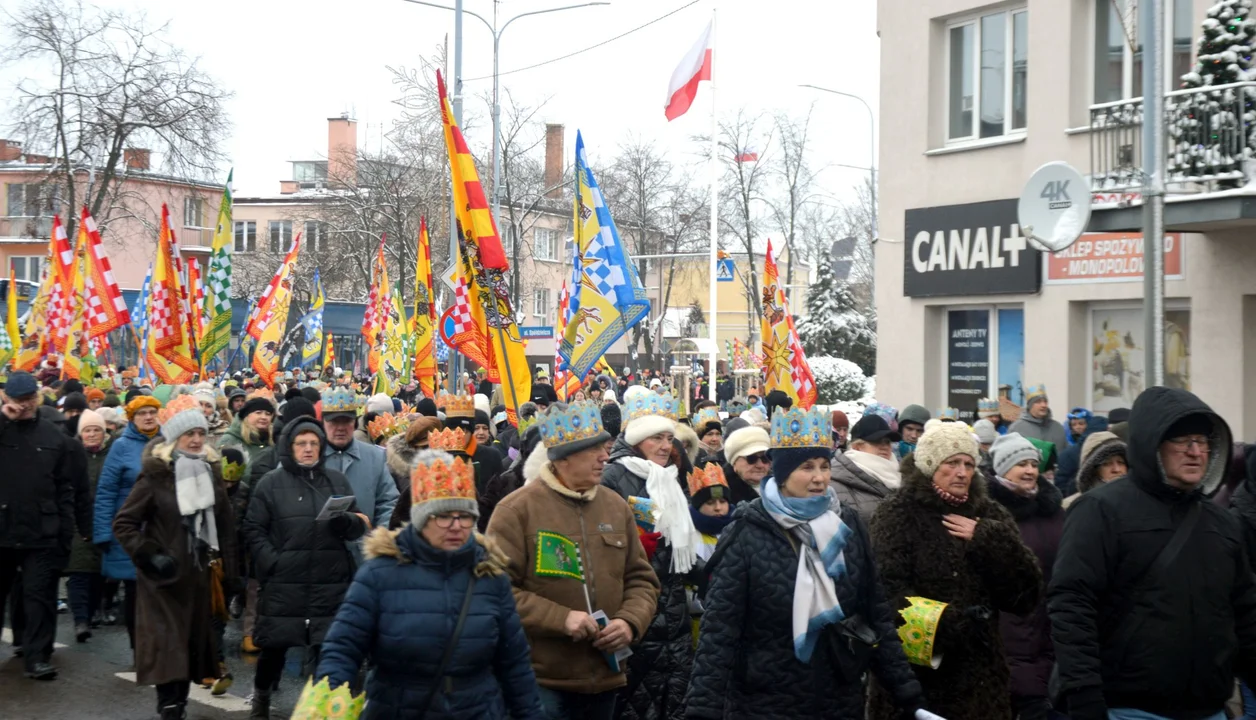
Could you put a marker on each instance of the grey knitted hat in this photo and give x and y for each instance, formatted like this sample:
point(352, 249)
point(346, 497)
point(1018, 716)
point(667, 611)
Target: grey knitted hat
point(1010, 450)
point(187, 420)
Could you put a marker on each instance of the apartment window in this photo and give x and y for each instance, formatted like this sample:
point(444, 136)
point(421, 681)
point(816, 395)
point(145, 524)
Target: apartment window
point(986, 75)
point(315, 235)
point(508, 241)
point(193, 209)
point(541, 302)
point(27, 267)
point(30, 200)
point(280, 236)
point(245, 236)
point(1119, 48)
point(544, 242)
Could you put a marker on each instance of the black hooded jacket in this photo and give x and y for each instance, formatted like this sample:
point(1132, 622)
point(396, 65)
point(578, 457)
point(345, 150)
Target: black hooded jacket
point(1166, 645)
point(617, 476)
point(304, 564)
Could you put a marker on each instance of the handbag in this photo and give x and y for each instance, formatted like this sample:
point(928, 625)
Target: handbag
point(851, 643)
point(443, 683)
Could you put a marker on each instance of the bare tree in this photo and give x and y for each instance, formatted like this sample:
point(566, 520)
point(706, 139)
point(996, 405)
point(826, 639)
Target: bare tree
point(100, 83)
point(742, 193)
point(795, 179)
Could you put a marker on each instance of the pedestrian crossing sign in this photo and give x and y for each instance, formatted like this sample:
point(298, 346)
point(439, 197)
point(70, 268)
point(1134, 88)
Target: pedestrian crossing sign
point(724, 270)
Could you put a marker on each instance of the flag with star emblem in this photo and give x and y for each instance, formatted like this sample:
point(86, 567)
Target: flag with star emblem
point(607, 297)
point(218, 281)
point(785, 365)
point(392, 347)
point(272, 318)
point(423, 320)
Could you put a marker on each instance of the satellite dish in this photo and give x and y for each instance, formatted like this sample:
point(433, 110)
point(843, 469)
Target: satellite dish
point(1054, 207)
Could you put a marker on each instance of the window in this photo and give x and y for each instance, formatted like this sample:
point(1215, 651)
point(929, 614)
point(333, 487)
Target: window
point(30, 200)
point(315, 235)
point(192, 212)
point(543, 244)
point(280, 236)
point(988, 59)
point(984, 351)
point(245, 236)
point(508, 241)
point(27, 267)
point(541, 302)
point(1118, 66)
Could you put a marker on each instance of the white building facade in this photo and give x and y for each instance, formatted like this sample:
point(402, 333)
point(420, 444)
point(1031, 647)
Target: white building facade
point(973, 99)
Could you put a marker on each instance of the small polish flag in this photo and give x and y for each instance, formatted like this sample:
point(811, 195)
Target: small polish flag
point(747, 155)
point(693, 69)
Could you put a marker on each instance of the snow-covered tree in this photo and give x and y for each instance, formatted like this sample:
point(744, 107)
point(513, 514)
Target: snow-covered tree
point(837, 380)
point(835, 324)
point(1206, 128)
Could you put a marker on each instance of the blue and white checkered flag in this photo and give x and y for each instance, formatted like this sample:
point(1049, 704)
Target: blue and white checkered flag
point(139, 312)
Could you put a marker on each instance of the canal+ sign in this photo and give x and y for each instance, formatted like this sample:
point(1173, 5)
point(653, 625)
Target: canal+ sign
point(973, 249)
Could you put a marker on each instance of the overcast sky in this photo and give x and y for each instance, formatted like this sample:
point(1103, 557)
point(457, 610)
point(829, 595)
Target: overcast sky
point(291, 64)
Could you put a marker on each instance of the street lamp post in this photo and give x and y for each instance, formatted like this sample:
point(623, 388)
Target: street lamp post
point(497, 36)
point(872, 148)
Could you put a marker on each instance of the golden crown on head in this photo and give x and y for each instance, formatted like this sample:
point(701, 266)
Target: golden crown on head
point(449, 439)
point(457, 405)
point(704, 477)
point(651, 403)
point(437, 475)
point(386, 425)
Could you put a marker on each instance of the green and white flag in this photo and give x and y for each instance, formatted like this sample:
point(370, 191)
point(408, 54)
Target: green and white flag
point(218, 280)
point(557, 556)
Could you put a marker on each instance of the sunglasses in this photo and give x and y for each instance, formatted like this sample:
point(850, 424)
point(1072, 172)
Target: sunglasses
point(757, 458)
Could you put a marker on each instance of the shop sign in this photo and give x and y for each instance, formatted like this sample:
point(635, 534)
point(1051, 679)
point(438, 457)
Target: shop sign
point(973, 249)
point(968, 360)
point(1110, 257)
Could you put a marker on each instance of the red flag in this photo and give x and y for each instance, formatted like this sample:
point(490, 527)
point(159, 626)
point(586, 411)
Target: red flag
point(106, 309)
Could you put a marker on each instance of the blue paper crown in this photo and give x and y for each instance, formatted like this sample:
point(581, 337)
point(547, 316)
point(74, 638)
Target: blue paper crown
point(651, 403)
point(948, 413)
point(1035, 391)
point(798, 428)
point(987, 405)
point(706, 415)
point(342, 400)
point(578, 421)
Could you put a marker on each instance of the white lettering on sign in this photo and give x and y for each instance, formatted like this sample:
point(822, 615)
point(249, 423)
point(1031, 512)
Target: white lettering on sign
point(968, 249)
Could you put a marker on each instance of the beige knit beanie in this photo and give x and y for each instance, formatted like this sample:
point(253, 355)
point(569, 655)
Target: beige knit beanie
point(943, 441)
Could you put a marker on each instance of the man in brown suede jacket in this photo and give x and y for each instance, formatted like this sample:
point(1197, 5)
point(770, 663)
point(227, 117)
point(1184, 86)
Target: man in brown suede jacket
point(561, 496)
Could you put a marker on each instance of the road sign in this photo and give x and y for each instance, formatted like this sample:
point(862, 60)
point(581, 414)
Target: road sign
point(537, 332)
point(1054, 207)
point(724, 270)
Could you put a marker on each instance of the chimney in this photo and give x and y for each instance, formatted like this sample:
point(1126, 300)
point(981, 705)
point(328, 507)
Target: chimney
point(553, 161)
point(288, 187)
point(342, 150)
point(135, 158)
point(10, 150)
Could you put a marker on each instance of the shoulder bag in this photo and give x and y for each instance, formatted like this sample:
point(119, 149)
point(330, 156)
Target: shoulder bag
point(443, 683)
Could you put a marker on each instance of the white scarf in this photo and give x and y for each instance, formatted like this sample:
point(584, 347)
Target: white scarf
point(671, 510)
point(821, 558)
point(878, 467)
point(194, 489)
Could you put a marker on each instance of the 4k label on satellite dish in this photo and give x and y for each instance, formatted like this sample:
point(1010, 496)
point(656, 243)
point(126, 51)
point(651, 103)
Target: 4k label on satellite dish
point(1054, 208)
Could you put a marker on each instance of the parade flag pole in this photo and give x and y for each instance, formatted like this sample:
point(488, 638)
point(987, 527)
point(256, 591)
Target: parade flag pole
point(713, 312)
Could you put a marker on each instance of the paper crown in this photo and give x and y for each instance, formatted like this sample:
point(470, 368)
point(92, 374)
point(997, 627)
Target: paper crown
point(459, 406)
point(320, 701)
point(920, 630)
point(262, 392)
point(231, 471)
point(651, 403)
point(563, 426)
point(386, 425)
point(798, 428)
point(948, 413)
point(1033, 392)
point(449, 440)
point(176, 406)
point(642, 512)
point(705, 416)
point(437, 475)
point(987, 406)
point(342, 400)
point(706, 477)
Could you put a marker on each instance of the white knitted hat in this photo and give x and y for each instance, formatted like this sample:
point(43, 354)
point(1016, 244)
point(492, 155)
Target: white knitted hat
point(943, 441)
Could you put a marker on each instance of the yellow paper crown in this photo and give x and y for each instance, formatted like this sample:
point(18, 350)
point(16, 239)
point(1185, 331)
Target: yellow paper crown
point(920, 630)
point(457, 405)
point(386, 425)
point(449, 440)
point(231, 471)
point(262, 392)
point(437, 475)
point(709, 476)
point(320, 702)
point(176, 406)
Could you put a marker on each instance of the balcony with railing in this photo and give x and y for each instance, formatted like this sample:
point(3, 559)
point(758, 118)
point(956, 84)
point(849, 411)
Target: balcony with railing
point(1210, 159)
point(23, 228)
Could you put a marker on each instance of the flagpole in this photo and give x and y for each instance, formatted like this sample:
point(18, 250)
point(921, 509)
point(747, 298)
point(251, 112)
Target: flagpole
point(713, 313)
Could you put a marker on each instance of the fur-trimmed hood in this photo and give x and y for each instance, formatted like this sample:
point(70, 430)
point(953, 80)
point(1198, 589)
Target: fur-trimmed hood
point(1103, 451)
point(919, 487)
point(399, 455)
point(382, 542)
point(689, 438)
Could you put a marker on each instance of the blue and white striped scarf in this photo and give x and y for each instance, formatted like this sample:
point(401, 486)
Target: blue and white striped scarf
point(817, 524)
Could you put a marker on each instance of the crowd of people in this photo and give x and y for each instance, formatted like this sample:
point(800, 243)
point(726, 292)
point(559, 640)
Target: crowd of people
point(631, 554)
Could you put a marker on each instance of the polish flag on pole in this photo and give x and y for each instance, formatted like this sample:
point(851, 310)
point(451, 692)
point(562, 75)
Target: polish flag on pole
point(693, 69)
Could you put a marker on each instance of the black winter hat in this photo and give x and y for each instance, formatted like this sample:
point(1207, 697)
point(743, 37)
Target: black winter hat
point(71, 386)
point(426, 407)
point(778, 399)
point(295, 408)
point(111, 400)
point(612, 419)
point(311, 393)
point(481, 418)
point(1118, 415)
point(292, 392)
point(254, 405)
point(74, 401)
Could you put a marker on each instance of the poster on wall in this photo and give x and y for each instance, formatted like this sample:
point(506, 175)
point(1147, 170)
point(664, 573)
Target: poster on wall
point(1118, 366)
point(968, 360)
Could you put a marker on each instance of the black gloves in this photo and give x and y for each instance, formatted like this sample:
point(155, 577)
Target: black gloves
point(162, 566)
point(346, 526)
point(977, 613)
point(1087, 704)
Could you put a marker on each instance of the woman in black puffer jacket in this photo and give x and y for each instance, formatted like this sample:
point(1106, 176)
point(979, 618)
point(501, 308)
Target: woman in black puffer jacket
point(304, 565)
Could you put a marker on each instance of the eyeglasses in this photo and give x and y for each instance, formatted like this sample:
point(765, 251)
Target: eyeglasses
point(1184, 444)
point(757, 458)
point(444, 522)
